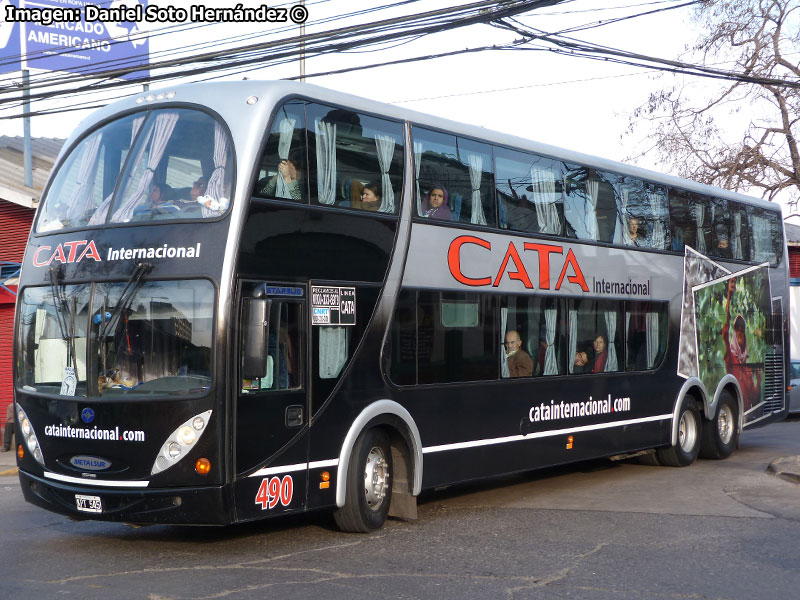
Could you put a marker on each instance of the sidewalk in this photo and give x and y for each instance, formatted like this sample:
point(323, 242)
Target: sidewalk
point(8, 463)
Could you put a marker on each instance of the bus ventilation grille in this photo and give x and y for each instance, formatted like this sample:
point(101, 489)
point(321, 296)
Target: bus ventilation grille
point(773, 381)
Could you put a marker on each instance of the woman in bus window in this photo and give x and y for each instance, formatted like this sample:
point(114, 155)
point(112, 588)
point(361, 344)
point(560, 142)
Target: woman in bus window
point(370, 198)
point(600, 354)
point(289, 187)
point(435, 204)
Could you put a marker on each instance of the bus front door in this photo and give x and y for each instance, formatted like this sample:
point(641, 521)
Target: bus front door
point(271, 411)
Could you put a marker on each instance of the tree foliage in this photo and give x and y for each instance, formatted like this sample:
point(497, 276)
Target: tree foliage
point(738, 136)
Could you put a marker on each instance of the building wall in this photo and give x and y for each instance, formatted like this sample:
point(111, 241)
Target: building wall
point(15, 224)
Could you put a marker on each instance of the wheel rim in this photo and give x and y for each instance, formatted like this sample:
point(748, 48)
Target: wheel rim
point(376, 478)
point(687, 431)
point(725, 424)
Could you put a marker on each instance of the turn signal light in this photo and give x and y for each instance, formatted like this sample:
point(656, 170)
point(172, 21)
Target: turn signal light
point(202, 466)
point(20, 452)
point(326, 480)
point(570, 441)
point(325, 476)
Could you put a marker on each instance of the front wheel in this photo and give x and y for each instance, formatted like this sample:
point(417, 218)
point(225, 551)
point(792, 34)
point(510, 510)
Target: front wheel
point(721, 434)
point(369, 484)
point(685, 452)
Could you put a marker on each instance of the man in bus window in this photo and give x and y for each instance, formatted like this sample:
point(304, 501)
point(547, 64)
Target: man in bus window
point(520, 363)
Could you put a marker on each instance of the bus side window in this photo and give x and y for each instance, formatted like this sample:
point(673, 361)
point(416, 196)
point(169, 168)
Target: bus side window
point(690, 216)
point(356, 159)
point(282, 171)
point(529, 192)
point(284, 350)
point(740, 231)
point(462, 170)
point(539, 324)
point(590, 206)
point(645, 335)
point(767, 240)
point(643, 215)
point(595, 330)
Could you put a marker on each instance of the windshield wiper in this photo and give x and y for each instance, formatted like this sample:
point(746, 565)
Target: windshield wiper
point(125, 299)
point(67, 329)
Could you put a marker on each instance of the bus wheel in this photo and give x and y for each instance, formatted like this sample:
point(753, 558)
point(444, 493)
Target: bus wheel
point(721, 435)
point(686, 450)
point(369, 484)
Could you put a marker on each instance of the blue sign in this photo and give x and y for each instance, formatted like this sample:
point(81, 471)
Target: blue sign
point(87, 415)
point(80, 42)
point(10, 49)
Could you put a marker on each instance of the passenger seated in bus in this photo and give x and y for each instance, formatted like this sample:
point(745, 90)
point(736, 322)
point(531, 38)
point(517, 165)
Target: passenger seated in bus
point(582, 361)
point(600, 354)
point(370, 198)
point(635, 233)
point(158, 202)
point(435, 204)
point(519, 362)
point(290, 186)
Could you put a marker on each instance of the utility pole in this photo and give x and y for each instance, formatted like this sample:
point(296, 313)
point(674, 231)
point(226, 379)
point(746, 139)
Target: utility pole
point(302, 48)
point(27, 159)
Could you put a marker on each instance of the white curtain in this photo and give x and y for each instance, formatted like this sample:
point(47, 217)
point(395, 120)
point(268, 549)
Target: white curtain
point(475, 171)
point(699, 215)
point(550, 362)
point(159, 136)
point(762, 245)
point(286, 129)
point(332, 351)
point(544, 190)
point(417, 165)
point(611, 331)
point(504, 372)
point(573, 338)
point(99, 215)
point(651, 325)
point(81, 201)
point(736, 238)
point(326, 161)
point(216, 183)
point(622, 222)
point(658, 235)
point(592, 193)
point(385, 146)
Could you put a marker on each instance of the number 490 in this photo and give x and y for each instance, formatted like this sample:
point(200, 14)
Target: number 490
point(273, 490)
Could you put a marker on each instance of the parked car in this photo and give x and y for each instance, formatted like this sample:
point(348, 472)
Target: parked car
point(794, 394)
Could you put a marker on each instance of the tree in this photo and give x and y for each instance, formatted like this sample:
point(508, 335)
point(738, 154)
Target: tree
point(740, 136)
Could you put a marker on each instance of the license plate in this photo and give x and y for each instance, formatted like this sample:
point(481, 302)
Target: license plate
point(91, 504)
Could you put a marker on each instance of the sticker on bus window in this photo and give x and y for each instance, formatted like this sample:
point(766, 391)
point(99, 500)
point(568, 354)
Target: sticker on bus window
point(274, 490)
point(333, 305)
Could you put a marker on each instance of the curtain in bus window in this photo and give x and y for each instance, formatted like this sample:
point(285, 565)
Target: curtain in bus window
point(159, 136)
point(611, 330)
point(573, 338)
point(82, 199)
point(504, 372)
point(651, 326)
point(623, 233)
point(332, 351)
point(417, 165)
point(285, 132)
point(215, 203)
point(658, 237)
point(385, 146)
point(100, 214)
point(592, 194)
point(326, 161)
point(550, 362)
point(736, 238)
point(544, 199)
point(475, 171)
point(699, 214)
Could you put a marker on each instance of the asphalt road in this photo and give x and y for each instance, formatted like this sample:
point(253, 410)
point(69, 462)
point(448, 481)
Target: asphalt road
point(716, 530)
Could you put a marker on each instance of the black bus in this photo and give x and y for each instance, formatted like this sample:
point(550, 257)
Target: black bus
point(242, 300)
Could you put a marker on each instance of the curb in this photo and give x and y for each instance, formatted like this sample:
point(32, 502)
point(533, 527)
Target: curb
point(787, 468)
point(9, 472)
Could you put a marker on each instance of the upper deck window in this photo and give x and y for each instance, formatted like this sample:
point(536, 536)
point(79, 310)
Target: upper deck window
point(332, 157)
point(165, 164)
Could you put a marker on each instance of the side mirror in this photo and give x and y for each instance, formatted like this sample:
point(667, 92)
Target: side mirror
point(255, 336)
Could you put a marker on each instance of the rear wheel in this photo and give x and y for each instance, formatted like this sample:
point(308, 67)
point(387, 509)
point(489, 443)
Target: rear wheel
point(685, 452)
point(721, 434)
point(369, 484)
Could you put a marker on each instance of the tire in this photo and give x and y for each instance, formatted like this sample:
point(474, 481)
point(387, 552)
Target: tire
point(721, 434)
point(685, 452)
point(369, 484)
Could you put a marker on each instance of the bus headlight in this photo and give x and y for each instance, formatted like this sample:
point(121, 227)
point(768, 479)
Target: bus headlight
point(180, 442)
point(29, 435)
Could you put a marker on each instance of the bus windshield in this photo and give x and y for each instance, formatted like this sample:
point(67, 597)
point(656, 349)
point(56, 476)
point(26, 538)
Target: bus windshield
point(153, 338)
point(162, 164)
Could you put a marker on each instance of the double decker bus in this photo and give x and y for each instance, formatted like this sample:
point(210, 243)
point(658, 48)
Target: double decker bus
point(242, 300)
